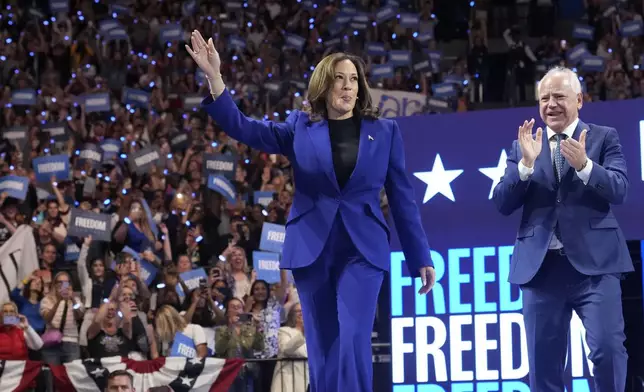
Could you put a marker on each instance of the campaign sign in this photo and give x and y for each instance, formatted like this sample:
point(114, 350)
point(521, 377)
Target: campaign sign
point(142, 160)
point(16, 135)
point(191, 278)
point(263, 198)
point(148, 271)
point(72, 251)
point(14, 186)
point(183, 346)
point(192, 101)
point(219, 164)
point(267, 266)
point(272, 239)
point(85, 223)
point(25, 97)
point(57, 131)
point(222, 186)
point(51, 166)
point(98, 102)
point(90, 153)
point(179, 141)
point(111, 148)
point(468, 332)
point(135, 98)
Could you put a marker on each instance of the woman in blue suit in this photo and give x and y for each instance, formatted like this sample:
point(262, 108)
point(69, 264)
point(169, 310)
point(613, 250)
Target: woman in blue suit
point(337, 240)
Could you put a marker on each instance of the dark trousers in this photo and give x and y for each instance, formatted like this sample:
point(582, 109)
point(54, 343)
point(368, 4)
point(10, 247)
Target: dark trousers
point(548, 302)
point(339, 294)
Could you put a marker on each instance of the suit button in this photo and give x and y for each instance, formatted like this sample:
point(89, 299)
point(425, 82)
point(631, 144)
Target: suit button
point(558, 200)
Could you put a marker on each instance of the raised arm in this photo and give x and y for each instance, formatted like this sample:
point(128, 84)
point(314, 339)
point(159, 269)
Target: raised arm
point(267, 136)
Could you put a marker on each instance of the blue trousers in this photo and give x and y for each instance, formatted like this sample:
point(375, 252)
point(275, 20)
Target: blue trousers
point(339, 294)
point(548, 302)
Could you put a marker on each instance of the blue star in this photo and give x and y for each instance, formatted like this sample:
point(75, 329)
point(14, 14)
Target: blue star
point(438, 180)
point(496, 172)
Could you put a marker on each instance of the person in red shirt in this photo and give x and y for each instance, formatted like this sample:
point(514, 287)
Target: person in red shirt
point(16, 335)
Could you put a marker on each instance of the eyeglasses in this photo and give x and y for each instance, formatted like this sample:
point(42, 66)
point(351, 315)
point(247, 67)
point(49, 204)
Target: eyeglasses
point(61, 282)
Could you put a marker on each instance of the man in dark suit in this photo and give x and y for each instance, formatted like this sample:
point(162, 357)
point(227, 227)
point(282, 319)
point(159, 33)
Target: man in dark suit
point(570, 252)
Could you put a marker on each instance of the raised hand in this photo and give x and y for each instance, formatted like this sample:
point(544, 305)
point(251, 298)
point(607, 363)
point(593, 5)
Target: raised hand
point(205, 55)
point(575, 151)
point(530, 146)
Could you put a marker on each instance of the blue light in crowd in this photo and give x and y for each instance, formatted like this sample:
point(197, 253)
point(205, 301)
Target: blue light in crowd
point(433, 16)
point(466, 82)
point(76, 203)
point(170, 55)
point(249, 24)
point(151, 84)
point(398, 16)
point(311, 20)
point(276, 114)
point(8, 7)
point(245, 5)
point(112, 119)
point(213, 144)
point(235, 58)
point(194, 195)
point(124, 191)
point(81, 18)
point(51, 141)
point(83, 172)
point(107, 178)
point(270, 75)
point(393, 36)
point(53, 99)
point(610, 50)
point(264, 212)
point(54, 183)
point(476, 76)
point(355, 32)
point(169, 156)
point(127, 220)
point(69, 118)
point(315, 6)
point(106, 300)
point(99, 175)
point(79, 13)
point(297, 94)
point(266, 117)
point(418, 87)
point(8, 40)
point(169, 44)
point(31, 54)
point(34, 219)
point(43, 113)
point(415, 34)
point(471, 4)
point(46, 150)
point(247, 161)
point(574, 70)
point(183, 213)
point(232, 92)
point(73, 75)
point(288, 112)
point(165, 172)
point(198, 239)
point(3, 58)
point(11, 167)
point(53, 18)
point(311, 26)
point(154, 62)
point(122, 138)
point(107, 202)
point(161, 286)
point(259, 60)
point(188, 223)
point(114, 15)
point(67, 38)
point(319, 40)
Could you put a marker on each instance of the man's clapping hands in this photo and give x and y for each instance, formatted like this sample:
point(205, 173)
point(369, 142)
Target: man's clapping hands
point(530, 146)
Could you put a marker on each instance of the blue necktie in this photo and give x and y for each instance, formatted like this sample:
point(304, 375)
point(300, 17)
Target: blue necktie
point(558, 161)
point(558, 158)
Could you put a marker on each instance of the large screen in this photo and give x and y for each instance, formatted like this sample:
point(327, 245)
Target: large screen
point(468, 334)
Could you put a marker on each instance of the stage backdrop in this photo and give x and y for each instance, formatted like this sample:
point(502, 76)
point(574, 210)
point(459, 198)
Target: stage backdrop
point(468, 334)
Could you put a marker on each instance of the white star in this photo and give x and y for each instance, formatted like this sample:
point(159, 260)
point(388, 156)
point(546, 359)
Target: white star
point(495, 173)
point(98, 372)
point(438, 180)
point(195, 361)
point(186, 381)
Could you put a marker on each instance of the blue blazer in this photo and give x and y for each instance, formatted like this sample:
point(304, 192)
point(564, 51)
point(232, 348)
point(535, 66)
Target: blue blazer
point(592, 238)
point(318, 198)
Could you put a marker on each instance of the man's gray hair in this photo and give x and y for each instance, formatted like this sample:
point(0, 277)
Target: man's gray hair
point(573, 79)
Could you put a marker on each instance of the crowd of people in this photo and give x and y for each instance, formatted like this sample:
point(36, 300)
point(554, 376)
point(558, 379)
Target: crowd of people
point(95, 302)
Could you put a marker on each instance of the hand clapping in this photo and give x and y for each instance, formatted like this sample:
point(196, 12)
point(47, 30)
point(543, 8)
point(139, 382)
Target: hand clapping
point(530, 146)
point(575, 151)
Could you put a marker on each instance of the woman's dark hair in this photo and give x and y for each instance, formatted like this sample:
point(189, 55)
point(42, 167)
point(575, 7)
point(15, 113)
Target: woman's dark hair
point(322, 81)
point(27, 290)
point(268, 291)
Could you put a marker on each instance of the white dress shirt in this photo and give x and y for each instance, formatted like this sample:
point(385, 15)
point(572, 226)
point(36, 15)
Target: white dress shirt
point(584, 174)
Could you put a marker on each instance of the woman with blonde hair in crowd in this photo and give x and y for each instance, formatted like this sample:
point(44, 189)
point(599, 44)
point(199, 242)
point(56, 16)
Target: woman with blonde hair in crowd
point(168, 324)
point(61, 312)
point(17, 337)
point(236, 272)
point(292, 371)
point(337, 239)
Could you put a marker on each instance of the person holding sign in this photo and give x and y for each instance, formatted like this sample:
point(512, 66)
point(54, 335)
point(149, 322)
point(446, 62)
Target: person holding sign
point(337, 239)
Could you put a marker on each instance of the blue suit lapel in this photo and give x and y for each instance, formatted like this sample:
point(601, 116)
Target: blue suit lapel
point(319, 134)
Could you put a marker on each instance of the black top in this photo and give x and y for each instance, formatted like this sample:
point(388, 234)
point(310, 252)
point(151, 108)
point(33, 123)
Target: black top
point(345, 139)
